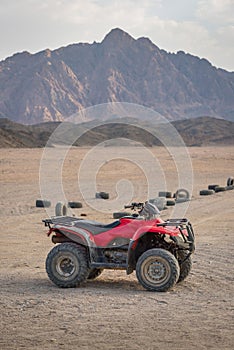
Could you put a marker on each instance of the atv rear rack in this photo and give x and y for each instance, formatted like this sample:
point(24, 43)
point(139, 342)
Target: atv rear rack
point(62, 220)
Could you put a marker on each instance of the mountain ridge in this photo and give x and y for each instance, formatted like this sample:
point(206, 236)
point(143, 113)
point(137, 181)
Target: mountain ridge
point(52, 85)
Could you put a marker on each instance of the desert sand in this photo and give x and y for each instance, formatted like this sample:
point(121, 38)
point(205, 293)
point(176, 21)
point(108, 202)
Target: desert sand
point(114, 311)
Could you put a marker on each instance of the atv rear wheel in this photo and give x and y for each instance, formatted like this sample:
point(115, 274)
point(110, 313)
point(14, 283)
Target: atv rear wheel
point(67, 265)
point(157, 270)
point(94, 273)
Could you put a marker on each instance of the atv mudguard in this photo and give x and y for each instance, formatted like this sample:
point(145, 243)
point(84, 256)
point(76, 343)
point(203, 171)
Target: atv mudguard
point(155, 229)
point(142, 231)
point(77, 235)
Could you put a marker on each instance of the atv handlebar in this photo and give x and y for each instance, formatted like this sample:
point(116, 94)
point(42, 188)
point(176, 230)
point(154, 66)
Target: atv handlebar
point(134, 205)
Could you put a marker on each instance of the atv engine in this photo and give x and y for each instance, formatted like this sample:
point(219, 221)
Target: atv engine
point(116, 256)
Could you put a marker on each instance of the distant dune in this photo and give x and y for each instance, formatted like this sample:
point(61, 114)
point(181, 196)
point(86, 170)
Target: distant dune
point(200, 131)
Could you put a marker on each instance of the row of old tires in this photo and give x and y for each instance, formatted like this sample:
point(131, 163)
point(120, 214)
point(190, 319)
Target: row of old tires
point(61, 208)
point(40, 203)
point(216, 188)
point(166, 199)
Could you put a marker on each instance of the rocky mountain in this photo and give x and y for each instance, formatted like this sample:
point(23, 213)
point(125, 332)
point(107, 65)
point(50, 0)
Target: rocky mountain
point(52, 85)
point(199, 131)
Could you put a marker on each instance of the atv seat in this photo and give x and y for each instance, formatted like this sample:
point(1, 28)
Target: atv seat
point(95, 227)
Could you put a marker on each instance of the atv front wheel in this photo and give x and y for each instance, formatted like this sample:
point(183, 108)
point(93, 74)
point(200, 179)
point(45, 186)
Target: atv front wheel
point(67, 265)
point(157, 270)
point(185, 265)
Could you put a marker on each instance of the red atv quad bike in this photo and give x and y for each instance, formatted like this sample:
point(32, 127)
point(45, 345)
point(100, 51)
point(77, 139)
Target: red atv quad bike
point(160, 251)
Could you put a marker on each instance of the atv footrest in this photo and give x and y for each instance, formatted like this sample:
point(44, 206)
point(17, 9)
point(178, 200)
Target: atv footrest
point(108, 266)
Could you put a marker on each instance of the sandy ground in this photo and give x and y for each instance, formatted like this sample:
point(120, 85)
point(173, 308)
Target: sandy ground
point(114, 311)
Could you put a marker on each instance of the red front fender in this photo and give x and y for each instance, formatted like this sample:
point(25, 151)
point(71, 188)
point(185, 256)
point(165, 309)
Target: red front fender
point(173, 231)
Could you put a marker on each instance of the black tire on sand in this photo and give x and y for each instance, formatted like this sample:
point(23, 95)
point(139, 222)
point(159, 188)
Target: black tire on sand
point(40, 203)
point(75, 205)
point(182, 193)
point(206, 192)
point(165, 194)
point(120, 214)
point(170, 202)
point(220, 189)
point(212, 187)
point(102, 195)
point(230, 181)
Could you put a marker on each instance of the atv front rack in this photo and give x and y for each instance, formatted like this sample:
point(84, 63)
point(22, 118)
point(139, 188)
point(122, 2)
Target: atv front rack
point(182, 224)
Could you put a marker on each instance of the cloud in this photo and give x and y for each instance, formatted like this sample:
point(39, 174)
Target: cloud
point(216, 11)
point(174, 35)
point(192, 37)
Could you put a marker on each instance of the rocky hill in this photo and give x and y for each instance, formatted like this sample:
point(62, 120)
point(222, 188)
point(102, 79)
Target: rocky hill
point(200, 131)
point(52, 85)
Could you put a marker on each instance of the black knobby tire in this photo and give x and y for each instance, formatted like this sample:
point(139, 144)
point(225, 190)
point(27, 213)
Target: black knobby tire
point(185, 261)
point(206, 192)
point(157, 270)
point(220, 189)
point(230, 181)
point(67, 265)
point(182, 200)
point(165, 194)
point(94, 273)
point(185, 265)
point(170, 202)
point(75, 205)
point(212, 187)
point(42, 203)
point(60, 209)
point(182, 193)
point(102, 195)
point(120, 214)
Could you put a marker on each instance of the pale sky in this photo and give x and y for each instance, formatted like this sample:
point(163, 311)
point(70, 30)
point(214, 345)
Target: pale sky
point(204, 28)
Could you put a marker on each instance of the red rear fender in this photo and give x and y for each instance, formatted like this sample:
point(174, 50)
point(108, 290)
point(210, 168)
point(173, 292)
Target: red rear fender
point(77, 235)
